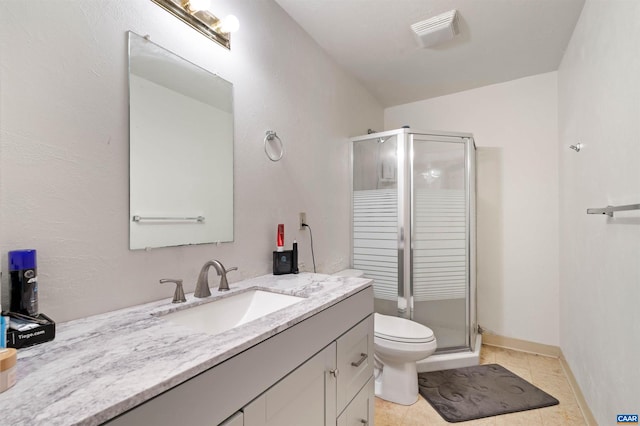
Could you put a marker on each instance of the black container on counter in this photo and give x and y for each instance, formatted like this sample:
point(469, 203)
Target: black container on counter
point(44, 332)
point(283, 262)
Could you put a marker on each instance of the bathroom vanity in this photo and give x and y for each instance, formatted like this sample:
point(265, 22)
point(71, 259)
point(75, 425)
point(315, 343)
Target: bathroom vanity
point(310, 363)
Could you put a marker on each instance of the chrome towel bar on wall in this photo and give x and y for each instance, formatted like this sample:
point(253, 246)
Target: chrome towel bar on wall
point(198, 219)
point(609, 210)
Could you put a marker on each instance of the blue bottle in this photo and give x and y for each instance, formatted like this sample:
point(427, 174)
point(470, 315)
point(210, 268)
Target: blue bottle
point(24, 282)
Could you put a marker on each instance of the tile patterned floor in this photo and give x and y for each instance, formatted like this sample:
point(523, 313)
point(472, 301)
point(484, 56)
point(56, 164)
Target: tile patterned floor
point(544, 372)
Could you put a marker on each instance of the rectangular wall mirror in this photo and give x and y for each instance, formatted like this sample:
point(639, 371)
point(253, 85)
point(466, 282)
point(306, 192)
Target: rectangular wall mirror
point(181, 150)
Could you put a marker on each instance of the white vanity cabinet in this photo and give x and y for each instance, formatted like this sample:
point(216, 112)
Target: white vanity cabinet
point(316, 372)
point(236, 420)
point(354, 361)
point(335, 384)
point(359, 412)
point(301, 398)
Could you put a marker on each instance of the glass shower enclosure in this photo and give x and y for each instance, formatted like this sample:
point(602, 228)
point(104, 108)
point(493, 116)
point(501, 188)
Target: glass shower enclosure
point(413, 227)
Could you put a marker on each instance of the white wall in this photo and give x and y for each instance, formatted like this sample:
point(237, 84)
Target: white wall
point(515, 129)
point(64, 146)
point(599, 106)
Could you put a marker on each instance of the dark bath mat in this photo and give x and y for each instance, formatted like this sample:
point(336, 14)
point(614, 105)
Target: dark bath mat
point(470, 393)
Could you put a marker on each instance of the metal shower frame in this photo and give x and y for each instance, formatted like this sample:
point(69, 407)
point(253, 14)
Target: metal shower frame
point(405, 143)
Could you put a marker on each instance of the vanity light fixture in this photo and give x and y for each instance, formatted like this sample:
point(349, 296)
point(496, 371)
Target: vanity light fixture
point(195, 13)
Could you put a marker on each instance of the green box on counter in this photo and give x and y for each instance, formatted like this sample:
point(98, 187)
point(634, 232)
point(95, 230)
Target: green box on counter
point(40, 334)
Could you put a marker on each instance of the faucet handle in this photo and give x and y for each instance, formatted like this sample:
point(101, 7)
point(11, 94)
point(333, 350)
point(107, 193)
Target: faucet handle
point(224, 284)
point(178, 295)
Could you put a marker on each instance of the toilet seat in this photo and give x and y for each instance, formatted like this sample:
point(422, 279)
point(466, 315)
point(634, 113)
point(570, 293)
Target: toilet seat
point(396, 329)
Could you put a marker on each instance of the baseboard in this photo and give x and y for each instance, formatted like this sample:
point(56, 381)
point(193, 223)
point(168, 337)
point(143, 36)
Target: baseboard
point(582, 403)
point(547, 350)
point(521, 345)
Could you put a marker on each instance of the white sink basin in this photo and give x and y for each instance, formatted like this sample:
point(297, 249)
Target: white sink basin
point(229, 312)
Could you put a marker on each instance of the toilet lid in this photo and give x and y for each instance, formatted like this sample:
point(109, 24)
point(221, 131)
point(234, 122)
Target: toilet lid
point(401, 329)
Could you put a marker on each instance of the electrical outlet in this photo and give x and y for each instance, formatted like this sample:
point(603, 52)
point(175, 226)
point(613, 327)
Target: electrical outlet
point(303, 219)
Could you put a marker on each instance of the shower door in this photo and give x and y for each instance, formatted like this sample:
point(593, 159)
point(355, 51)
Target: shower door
point(377, 188)
point(441, 238)
point(413, 222)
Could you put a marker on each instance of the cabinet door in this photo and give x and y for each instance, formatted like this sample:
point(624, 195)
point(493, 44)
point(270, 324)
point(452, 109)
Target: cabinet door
point(236, 420)
point(301, 398)
point(354, 361)
point(360, 411)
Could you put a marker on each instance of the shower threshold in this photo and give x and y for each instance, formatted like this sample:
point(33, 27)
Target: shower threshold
point(446, 361)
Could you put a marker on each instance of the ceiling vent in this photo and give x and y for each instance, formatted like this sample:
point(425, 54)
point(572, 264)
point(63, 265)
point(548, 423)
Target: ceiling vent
point(436, 30)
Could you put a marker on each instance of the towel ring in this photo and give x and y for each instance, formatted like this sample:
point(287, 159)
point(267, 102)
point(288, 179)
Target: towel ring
point(270, 135)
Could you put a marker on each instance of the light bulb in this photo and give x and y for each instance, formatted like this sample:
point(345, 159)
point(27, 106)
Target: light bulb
point(230, 24)
point(196, 5)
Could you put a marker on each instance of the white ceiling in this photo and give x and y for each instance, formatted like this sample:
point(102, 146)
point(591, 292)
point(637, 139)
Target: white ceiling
point(499, 40)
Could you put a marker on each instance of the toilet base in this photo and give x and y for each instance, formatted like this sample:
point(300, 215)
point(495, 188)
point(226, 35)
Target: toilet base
point(398, 383)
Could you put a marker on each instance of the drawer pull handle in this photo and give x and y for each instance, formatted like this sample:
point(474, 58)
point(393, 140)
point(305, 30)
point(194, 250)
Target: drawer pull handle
point(364, 422)
point(361, 360)
point(335, 373)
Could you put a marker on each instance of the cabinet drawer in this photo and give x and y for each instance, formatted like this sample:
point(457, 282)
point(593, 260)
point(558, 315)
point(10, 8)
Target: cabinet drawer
point(360, 411)
point(354, 361)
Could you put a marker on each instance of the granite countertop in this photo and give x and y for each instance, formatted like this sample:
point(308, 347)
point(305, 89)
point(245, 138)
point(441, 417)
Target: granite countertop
point(101, 366)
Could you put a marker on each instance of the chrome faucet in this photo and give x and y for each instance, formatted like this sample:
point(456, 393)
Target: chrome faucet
point(202, 286)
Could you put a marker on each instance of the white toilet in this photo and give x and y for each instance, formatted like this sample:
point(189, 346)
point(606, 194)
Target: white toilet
point(398, 343)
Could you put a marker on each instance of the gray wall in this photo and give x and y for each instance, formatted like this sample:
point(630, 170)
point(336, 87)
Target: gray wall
point(599, 106)
point(64, 146)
